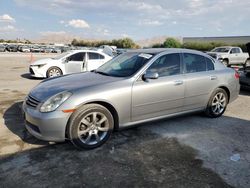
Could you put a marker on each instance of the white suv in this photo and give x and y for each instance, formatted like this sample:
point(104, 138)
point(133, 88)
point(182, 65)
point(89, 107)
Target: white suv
point(68, 62)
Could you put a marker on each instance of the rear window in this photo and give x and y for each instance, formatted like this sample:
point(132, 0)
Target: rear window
point(210, 64)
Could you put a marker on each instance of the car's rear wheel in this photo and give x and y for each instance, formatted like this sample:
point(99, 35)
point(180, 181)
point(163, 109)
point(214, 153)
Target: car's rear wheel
point(217, 103)
point(53, 72)
point(90, 126)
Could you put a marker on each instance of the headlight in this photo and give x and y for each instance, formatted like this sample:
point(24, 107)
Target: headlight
point(38, 66)
point(55, 101)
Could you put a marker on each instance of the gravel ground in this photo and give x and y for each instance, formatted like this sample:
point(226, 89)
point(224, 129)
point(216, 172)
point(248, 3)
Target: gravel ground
point(188, 151)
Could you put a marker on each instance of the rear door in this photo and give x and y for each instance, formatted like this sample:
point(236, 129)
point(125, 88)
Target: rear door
point(158, 97)
point(200, 80)
point(75, 63)
point(94, 61)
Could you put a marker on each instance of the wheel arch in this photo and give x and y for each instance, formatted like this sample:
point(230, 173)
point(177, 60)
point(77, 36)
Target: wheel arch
point(227, 91)
point(107, 105)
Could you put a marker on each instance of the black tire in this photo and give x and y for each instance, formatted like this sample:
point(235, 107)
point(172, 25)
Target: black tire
point(83, 120)
point(226, 63)
point(220, 106)
point(53, 72)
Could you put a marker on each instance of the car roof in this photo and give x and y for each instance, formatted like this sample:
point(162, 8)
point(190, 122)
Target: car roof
point(227, 47)
point(155, 51)
point(86, 50)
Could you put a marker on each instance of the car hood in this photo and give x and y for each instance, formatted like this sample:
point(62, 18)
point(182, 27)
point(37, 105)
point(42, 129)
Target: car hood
point(71, 82)
point(42, 61)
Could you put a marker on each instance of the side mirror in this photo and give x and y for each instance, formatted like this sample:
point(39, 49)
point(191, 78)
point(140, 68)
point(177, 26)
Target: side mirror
point(150, 75)
point(66, 60)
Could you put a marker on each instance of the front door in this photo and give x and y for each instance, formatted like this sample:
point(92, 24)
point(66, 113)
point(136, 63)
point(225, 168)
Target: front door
point(158, 97)
point(75, 63)
point(234, 56)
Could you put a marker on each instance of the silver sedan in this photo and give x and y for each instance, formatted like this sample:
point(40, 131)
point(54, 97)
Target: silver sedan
point(134, 87)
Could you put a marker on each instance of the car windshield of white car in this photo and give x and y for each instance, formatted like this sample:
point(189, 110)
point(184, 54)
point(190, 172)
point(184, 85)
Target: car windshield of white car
point(125, 65)
point(220, 50)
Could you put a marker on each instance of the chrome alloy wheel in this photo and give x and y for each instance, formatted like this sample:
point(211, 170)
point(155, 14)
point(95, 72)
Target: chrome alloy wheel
point(54, 72)
point(219, 103)
point(93, 128)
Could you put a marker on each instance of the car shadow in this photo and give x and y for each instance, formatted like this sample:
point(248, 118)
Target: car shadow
point(152, 155)
point(28, 76)
point(13, 119)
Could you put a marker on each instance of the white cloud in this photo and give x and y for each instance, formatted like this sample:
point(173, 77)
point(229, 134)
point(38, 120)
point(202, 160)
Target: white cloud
point(6, 18)
point(148, 22)
point(7, 28)
point(78, 23)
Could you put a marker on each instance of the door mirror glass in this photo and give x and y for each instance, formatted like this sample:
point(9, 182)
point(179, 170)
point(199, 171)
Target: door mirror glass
point(150, 75)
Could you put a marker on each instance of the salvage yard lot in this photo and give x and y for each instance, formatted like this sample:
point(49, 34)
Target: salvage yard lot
point(189, 151)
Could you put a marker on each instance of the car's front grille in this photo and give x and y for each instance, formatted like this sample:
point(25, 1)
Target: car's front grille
point(31, 71)
point(31, 101)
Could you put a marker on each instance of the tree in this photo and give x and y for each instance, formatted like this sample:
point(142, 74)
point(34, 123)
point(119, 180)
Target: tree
point(171, 43)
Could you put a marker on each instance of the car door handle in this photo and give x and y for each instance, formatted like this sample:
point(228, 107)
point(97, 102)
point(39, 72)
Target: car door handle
point(213, 77)
point(178, 82)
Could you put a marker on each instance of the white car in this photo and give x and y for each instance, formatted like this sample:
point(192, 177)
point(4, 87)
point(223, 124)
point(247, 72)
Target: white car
point(68, 62)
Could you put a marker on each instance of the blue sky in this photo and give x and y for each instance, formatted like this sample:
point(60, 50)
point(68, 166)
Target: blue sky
point(108, 19)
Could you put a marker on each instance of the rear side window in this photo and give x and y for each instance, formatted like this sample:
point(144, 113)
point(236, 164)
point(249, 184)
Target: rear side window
point(77, 57)
point(194, 63)
point(93, 56)
point(210, 64)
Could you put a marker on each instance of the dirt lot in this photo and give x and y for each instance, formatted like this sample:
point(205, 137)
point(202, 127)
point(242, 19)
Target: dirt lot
point(189, 151)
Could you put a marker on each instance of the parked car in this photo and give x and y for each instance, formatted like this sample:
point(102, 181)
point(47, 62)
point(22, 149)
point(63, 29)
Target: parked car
point(35, 49)
point(2, 48)
point(11, 48)
point(25, 49)
point(229, 55)
point(134, 87)
point(68, 62)
point(245, 73)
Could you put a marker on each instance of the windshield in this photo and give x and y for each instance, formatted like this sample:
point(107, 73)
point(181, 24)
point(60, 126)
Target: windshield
point(220, 50)
point(61, 55)
point(124, 65)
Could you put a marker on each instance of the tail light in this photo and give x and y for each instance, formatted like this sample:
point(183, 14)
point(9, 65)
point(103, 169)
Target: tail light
point(236, 75)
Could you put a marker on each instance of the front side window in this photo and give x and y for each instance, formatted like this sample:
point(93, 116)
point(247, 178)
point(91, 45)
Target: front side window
point(167, 65)
point(77, 57)
point(235, 51)
point(194, 63)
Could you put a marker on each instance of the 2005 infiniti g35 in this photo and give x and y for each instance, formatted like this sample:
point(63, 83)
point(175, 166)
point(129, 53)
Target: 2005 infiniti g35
point(134, 87)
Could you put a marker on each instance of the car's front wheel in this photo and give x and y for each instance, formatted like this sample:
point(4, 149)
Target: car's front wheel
point(53, 72)
point(90, 126)
point(217, 103)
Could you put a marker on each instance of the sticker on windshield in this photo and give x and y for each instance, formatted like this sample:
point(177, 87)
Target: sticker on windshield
point(146, 56)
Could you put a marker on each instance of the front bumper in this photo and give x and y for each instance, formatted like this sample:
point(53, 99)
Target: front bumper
point(49, 126)
point(35, 72)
